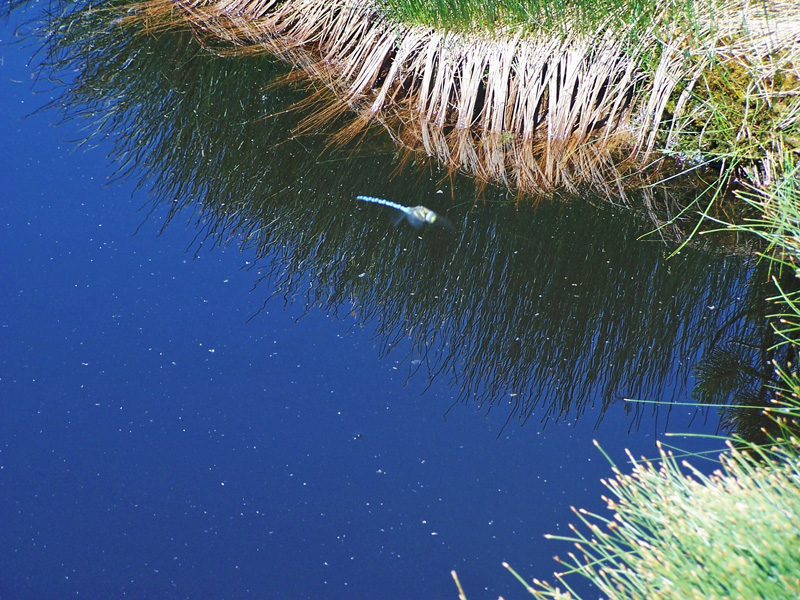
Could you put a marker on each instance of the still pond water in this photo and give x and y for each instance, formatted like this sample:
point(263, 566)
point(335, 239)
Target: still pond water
point(222, 377)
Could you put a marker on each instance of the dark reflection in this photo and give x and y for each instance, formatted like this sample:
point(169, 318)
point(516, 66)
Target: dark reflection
point(543, 314)
point(740, 369)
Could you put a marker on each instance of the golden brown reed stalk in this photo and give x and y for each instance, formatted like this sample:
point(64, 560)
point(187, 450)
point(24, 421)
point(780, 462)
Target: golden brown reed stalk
point(536, 112)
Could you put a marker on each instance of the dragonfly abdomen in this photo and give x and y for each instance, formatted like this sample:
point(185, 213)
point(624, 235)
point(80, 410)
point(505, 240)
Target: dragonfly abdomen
point(388, 203)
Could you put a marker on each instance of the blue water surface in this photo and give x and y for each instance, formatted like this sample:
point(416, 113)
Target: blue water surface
point(156, 443)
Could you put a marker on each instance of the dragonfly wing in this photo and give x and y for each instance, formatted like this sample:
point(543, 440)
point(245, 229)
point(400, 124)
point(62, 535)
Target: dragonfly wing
point(441, 221)
point(397, 218)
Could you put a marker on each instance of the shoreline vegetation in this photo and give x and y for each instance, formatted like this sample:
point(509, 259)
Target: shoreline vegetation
point(539, 96)
point(612, 95)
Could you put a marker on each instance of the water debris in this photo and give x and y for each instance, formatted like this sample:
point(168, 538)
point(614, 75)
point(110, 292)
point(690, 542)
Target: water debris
point(416, 215)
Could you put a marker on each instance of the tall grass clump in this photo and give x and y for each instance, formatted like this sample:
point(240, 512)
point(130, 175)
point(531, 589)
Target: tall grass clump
point(676, 533)
point(535, 95)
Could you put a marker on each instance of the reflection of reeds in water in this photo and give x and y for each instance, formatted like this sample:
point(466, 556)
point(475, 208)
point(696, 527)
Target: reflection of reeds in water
point(526, 313)
point(536, 111)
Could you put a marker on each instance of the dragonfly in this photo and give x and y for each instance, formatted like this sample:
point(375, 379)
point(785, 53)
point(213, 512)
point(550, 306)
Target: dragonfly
point(417, 216)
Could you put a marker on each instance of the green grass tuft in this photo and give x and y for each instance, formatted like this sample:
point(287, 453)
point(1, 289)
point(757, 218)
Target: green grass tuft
point(494, 15)
point(676, 533)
